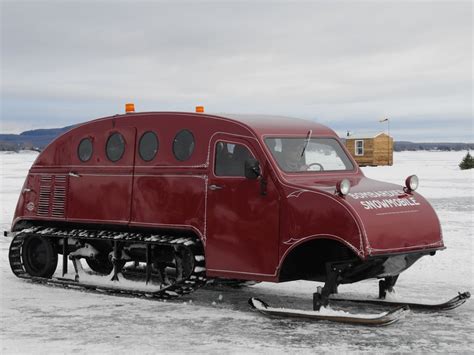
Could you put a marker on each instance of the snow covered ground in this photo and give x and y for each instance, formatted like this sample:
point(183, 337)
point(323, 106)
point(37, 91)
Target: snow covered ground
point(44, 319)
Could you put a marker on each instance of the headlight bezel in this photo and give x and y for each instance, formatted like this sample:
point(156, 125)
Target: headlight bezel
point(343, 187)
point(411, 183)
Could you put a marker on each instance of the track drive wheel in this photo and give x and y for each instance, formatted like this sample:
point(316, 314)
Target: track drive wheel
point(39, 256)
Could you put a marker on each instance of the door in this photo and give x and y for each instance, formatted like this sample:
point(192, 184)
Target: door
point(242, 221)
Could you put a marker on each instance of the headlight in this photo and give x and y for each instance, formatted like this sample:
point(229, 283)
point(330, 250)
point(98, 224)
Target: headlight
point(411, 182)
point(343, 187)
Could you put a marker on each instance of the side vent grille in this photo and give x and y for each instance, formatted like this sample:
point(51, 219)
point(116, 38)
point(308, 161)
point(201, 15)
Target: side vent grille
point(44, 198)
point(60, 179)
point(59, 201)
point(52, 196)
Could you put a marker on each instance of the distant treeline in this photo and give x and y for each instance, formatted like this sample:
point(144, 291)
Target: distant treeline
point(402, 146)
point(38, 139)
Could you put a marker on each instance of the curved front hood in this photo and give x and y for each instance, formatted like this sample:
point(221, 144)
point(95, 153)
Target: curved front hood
point(392, 220)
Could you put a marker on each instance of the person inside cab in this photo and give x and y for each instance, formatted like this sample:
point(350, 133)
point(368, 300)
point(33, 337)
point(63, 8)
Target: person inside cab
point(292, 157)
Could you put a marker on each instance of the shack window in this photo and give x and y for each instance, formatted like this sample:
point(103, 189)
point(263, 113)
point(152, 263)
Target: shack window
point(183, 145)
point(148, 146)
point(359, 147)
point(115, 147)
point(85, 149)
point(230, 159)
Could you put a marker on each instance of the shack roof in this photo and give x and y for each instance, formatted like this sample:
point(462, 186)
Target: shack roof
point(364, 135)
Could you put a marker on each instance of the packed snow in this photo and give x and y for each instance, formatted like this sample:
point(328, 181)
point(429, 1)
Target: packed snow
point(45, 319)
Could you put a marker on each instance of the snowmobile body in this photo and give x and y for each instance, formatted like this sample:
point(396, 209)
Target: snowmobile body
point(223, 182)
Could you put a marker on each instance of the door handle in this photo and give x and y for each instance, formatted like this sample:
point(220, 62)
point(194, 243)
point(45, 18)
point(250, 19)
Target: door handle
point(215, 187)
point(73, 174)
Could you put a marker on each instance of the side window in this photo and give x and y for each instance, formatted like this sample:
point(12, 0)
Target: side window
point(85, 149)
point(183, 145)
point(148, 146)
point(115, 147)
point(359, 147)
point(230, 159)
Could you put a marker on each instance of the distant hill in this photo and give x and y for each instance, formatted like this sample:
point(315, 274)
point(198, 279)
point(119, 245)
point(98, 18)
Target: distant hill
point(37, 139)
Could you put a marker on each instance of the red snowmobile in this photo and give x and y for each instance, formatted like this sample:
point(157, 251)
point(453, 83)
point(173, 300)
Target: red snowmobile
point(159, 202)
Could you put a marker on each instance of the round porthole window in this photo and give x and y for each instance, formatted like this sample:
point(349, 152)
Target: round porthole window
point(183, 145)
point(84, 150)
point(115, 147)
point(148, 146)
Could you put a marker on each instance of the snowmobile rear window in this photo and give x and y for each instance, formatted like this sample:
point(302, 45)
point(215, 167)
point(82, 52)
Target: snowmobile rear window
point(148, 146)
point(115, 147)
point(85, 149)
point(183, 145)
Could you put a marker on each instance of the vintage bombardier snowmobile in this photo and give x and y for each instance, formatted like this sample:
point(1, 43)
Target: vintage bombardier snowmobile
point(157, 203)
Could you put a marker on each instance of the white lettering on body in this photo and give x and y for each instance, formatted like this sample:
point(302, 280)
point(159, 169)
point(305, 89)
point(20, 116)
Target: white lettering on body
point(377, 204)
point(372, 199)
point(375, 194)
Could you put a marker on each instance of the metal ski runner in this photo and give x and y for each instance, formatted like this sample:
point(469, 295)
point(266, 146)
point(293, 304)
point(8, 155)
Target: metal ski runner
point(188, 274)
point(454, 302)
point(381, 319)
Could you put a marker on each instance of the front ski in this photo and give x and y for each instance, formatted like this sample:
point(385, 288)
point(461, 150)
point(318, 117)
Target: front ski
point(441, 306)
point(380, 319)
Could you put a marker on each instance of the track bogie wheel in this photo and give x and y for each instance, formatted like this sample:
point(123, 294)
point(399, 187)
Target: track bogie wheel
point(39, 256)
point(101, 265)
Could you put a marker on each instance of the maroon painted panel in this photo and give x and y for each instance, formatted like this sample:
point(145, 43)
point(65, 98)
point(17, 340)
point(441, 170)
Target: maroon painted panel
point(167, 125)
point(100, 190)
point(394, 220)
point(389, 219)
point(314, 214)
point(28, 199)
point(169, 200)
point(168, 192)
point(242, 224)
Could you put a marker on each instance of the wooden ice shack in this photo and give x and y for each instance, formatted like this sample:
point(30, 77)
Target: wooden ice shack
point(371, 149)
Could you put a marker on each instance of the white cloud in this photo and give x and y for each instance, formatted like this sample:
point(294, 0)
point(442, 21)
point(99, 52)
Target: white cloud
point(331, 60)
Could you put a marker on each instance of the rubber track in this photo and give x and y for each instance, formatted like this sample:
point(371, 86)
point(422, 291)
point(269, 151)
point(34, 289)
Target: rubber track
point(195, 280)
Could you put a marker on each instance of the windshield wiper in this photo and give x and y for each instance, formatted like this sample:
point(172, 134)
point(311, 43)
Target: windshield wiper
point(308, 138)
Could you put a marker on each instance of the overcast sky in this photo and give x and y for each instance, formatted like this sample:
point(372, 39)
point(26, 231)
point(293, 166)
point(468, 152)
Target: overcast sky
point(344, 64)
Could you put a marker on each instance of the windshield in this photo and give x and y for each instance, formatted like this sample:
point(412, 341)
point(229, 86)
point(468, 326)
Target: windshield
point(308, 154)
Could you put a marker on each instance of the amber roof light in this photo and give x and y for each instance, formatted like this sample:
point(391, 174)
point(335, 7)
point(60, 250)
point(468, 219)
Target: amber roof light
point(130, 107)
point(199, 108)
